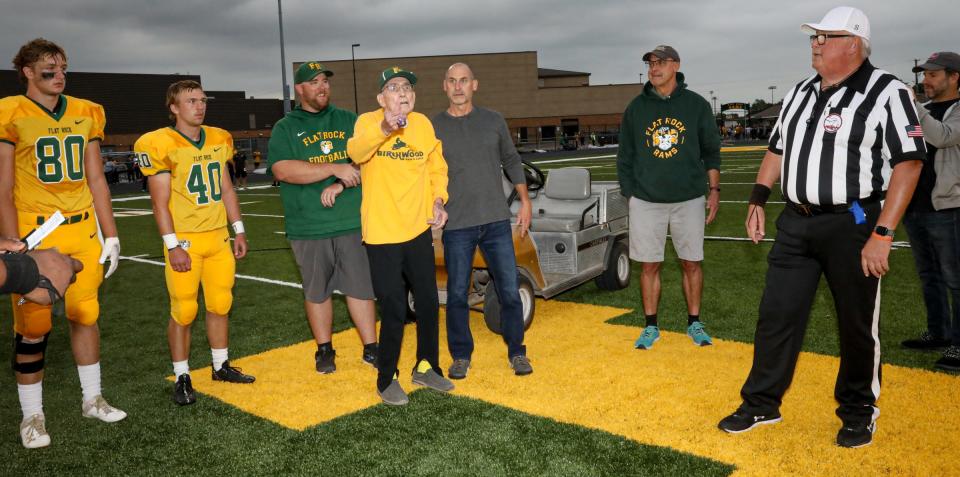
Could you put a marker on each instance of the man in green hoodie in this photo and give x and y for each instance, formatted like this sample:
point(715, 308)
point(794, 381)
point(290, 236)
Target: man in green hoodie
point(669, 153)
point(321, 204)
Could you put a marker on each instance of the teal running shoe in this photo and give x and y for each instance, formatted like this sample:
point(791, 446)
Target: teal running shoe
point(649, 336)
point(698, 335)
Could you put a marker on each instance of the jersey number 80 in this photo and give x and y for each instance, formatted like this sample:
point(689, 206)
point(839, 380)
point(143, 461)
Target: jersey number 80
point(54, 156)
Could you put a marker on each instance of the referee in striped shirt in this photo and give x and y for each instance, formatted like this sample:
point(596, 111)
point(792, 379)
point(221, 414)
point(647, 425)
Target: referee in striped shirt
point(847, 138)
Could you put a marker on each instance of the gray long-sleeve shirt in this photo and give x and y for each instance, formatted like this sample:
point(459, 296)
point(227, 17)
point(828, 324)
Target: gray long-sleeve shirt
point(477, 148)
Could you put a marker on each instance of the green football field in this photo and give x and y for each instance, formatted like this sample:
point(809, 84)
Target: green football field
point(436, 434)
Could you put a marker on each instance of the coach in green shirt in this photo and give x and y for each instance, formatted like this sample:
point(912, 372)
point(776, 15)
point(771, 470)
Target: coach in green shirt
point(319, 186)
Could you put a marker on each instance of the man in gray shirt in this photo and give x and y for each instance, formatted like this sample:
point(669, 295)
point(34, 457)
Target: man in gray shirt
point(478, 148)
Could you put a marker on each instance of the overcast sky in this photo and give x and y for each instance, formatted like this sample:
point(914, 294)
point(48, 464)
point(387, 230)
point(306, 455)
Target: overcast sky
point(735, 48)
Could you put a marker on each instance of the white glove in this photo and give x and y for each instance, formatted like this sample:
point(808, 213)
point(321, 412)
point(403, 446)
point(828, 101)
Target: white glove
point(111, 250)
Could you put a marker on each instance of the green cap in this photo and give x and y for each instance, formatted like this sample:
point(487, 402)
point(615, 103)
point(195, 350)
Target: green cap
point(394, 71)
point(308, 70)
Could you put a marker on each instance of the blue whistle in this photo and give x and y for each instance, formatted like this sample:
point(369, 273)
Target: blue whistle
point(859, 215)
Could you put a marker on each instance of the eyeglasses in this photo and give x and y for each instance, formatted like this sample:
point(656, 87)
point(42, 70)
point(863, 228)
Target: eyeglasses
point(395, 87)
point(821, 38)
point(657, 63)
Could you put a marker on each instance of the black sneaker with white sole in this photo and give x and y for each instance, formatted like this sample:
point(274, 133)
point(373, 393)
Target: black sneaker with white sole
point(855, 436)
point(743, 421)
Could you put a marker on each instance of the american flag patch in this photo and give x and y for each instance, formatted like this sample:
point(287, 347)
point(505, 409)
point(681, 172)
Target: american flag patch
point(914, 131)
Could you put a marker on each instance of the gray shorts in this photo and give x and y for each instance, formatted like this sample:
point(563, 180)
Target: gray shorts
point(648, 229)
point(337, 263)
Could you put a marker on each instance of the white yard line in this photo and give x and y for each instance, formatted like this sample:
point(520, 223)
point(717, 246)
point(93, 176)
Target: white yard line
point(244, 277)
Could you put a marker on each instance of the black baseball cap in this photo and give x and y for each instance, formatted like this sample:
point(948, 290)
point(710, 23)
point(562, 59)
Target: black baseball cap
point(939, 61)
point(664, 52)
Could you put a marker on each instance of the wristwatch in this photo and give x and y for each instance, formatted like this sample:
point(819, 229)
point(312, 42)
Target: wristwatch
point(883, 231)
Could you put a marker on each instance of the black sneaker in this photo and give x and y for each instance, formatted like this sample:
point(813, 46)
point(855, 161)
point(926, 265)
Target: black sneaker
point(742, 421)
point(950, 360)
point(325, 360)
point(852, 437)
point(370, 354)
point(231, 375)
point(926, 342)
point(183, 391)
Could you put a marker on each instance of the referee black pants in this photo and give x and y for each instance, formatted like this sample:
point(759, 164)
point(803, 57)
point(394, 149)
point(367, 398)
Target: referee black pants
point(390, 264)
point(805, 248)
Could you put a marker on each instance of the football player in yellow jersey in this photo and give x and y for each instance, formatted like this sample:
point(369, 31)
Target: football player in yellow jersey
point(193, 198)
point(49, 161)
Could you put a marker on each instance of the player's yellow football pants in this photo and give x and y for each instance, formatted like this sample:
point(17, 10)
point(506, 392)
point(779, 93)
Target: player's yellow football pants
point(78, 238)
point(212, 265)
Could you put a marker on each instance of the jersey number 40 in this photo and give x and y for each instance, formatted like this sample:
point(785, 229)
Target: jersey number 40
point(54, 157)
point(207, 186)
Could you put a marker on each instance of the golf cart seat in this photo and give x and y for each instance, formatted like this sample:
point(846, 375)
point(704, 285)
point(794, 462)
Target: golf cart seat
point(566, 204)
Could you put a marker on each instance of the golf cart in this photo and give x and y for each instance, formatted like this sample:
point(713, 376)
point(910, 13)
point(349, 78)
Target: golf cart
point(578, 232)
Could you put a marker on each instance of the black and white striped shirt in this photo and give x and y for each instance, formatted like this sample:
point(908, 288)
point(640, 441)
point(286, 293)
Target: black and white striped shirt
point(841, 144)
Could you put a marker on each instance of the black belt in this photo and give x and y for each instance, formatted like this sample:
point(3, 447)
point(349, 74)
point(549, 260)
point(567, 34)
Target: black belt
point(811, 210)
point(67, 220)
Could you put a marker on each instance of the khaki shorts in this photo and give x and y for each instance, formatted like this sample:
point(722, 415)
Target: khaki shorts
point(649, 222)
point(336, 263)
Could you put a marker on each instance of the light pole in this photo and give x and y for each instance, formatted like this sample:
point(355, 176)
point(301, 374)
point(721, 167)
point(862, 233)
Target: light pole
point(283, 62)
point(353, 62)
point(714, 98)
point(771, 88)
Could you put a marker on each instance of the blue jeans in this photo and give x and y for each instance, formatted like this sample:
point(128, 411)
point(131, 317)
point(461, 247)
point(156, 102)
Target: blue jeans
point(496, 244)
point(935, 239)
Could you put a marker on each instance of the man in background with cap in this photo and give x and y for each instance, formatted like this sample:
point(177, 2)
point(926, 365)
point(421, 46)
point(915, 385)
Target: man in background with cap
point(405, 187)
point(319, 186)
point(846, 138)
point(933, 217)
point(669, 154)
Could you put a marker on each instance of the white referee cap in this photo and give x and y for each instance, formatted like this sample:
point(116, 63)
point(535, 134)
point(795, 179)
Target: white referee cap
point(848, 19)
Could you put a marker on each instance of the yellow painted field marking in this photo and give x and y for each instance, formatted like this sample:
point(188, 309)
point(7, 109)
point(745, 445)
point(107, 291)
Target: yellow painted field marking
point(587, 373)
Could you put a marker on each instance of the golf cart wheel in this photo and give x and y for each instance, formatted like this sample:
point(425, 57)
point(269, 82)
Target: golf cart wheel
point(616, 276)
point(491, 304)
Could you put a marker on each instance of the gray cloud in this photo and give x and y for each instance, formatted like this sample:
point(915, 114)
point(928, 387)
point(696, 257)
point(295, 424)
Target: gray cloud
point(735, 48)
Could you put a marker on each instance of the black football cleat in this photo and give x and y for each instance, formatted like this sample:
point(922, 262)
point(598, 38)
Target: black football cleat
point(183, 391)
point(230, 374)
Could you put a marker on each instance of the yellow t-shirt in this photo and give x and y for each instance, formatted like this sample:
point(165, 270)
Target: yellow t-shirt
point(402, 175)
point(49, 148)
point(196, 171)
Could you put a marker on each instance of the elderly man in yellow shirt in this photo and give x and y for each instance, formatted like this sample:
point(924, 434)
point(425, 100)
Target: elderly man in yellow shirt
point(404, 180)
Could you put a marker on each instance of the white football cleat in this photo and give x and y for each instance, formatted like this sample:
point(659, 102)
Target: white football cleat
point(100, 409)
point(33, 432)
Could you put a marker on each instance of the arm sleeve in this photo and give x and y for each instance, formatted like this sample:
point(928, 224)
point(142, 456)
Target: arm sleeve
point(8, 132)
point(776, 134)
point(279, 149)
point(367, 138)
point(509, 157)
point(625, 154)
point(99, 123)
point(437, 167)
point(151, 160)
point(900, 126)
point(940, 134)
point(709, 139)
